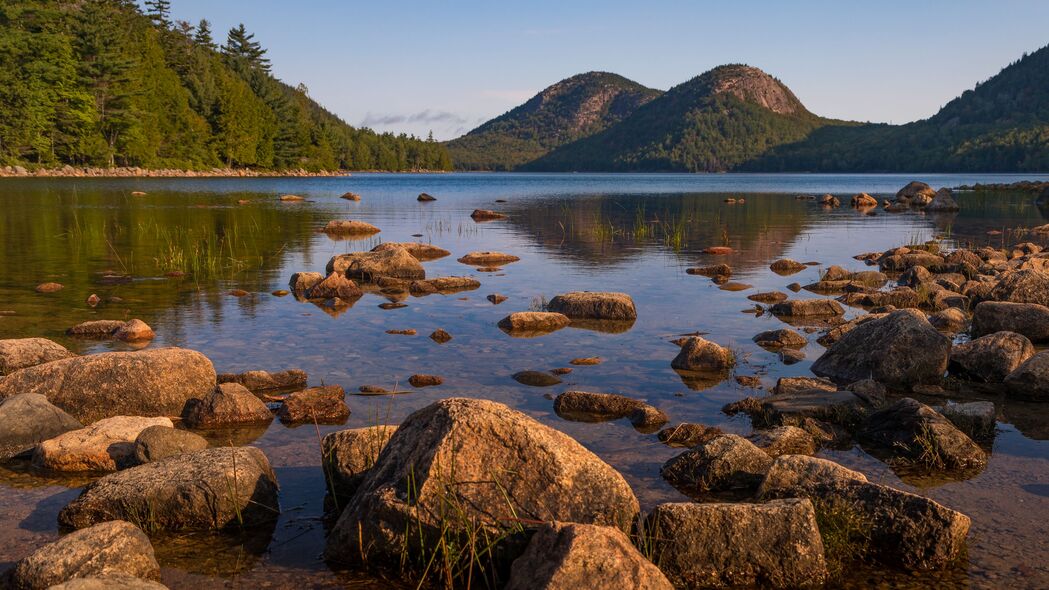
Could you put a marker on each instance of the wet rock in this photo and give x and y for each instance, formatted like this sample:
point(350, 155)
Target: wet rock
point(28, 419)
point(440, 336)
point(229, 404)
point(134, 331)
point(335, 285)
point(786, 266)
point(699, 354)
point(262, 381)
point(990, 358)
point(372, 389)
point(346, 227)
point(588, 361)
point(781, 338)
point(904, 529)
point(565, 555)
point(807, 308)
point(870, 391)
point(108, 582)
point(752, 381)
point(943, 201)
point(1030, 381)
point(793, 385)
point(726, 466)
point(772, 545)
point(488, 258)
point(321, 405)
point(863, 200)
point(718, 250)
point(502, 453)
point(789, 356)
point(902, 262)
point(351, 197)
point(160, 442)
point(21, 353)
point(914, 276)
point(425, 380)
point(916, 432)
point(155, 382)
point(838, 407)
point(594, 306)
point(419, 250)
point(95, 329)
point(536, 378)
point(688, 435)
point(829, 201)
point(835, 333)
point(583, 406)
point(1029, 319)
point(717, 270)
point(291, 199)
point(408, 332)
point(443, 285)
point(213, 489)
point(533, 323)
point(348, 455)
point(486, 215)
point(49, 287)
point(114, 547)
point(796, 471)
point(106, 445)
point(901, 349)
point(768, 297)
point(784, 440)
point(304, 281)
point(917, 192)
point(975, 419)
point(1022, 286)
point(93, 300)
point(425, 198)
point(496, 298)
point(794, 287)
point(949, 321)
point(370, 266)
point(733, 286)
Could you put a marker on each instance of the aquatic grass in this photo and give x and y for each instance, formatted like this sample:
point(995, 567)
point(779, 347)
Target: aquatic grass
point(845, 531)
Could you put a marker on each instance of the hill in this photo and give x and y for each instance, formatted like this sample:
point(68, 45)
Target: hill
point(99, 83)
point(713, 122)
point(569, 110)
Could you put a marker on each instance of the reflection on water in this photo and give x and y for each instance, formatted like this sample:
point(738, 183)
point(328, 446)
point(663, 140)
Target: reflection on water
point(188, 243)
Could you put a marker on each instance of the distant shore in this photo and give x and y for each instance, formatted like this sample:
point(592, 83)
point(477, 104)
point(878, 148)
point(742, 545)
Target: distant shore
point(135, 172)
point(1023, 185)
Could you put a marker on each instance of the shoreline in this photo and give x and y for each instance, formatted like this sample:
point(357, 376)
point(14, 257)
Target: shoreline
point(136, 172)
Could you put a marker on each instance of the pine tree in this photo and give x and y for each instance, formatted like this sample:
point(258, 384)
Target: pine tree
point(242, 46)
point(203, 36)
point(159, 11)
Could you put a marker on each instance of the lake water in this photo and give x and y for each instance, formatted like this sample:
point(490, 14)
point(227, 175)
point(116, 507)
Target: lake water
point(630, 233)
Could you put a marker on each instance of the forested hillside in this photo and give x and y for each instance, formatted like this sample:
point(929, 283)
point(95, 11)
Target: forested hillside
point(100, 83)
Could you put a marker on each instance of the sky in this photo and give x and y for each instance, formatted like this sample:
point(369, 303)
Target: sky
point(447, 66)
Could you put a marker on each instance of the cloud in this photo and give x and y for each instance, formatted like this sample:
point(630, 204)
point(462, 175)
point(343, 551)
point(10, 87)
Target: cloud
point(427, 117)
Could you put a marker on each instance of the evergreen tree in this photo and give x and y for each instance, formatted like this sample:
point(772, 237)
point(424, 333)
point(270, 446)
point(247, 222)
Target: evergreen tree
point(241, 45)
point(203, 37)
point(159, 11)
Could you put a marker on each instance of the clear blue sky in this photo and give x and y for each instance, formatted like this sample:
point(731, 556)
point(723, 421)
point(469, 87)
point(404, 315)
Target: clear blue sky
point(415, 66)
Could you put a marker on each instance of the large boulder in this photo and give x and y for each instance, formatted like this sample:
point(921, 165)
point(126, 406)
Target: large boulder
point(109, 548)
point(1029, 319)
point(943, 201)
point(470, 460)
point(395, 263)
point(918, 433)
point(561, 556)
point(22, 353)
point(901, 349)
point(106, 445)
point(990, 358)
point(29, 419)
point(229, 404)
point(700, 354)
point(160, 442)
point(915, 191)
point(1030, 381)
point(304, 281)
point(335, 285)
point(771, 545)
point(1022, 286)
point(727, 466)
point(155, 382)
point(419, 250)
point(594, 306)
point(347, 455)
point(212, 489)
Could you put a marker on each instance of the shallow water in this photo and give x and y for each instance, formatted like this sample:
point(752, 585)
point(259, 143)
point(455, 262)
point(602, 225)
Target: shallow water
point(631, 233)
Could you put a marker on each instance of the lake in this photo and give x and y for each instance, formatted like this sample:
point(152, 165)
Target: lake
point(631, 233)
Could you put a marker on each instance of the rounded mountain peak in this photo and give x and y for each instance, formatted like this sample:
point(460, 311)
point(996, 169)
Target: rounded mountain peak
point(752, 85)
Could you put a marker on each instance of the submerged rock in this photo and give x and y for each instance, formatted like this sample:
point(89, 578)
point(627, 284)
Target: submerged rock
point(786, 266)
point(536, 378)
point(784, 440)
point(49, 287)
point(807, 308)
point(262, 381)
point(425, 380)
point(348, 455)
point(487, 258)
point(27, 420)
point(781, 338)
point(22, 353)
point(486, 215)
point(533, 323)
point(420, 250)
point(726, 466)
point(583, 406)
point(912, 430)
point(594, 306)
point(502, 453)
point(443, 285)
point(440, 336)
point(349, 227)
point(109, 581)
point(990, 358)
point(213, 489)
point(688, 435)
point(160, 442)
point(106, 445)
point(229, 404)
point(768, 297)
point(321, 405)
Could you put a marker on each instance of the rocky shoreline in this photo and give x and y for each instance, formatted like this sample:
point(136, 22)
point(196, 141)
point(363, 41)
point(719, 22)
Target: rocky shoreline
point(136, 172)
point(1023, 185)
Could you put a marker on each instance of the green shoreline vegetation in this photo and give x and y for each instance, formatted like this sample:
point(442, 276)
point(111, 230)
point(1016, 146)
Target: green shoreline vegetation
point(98, 83)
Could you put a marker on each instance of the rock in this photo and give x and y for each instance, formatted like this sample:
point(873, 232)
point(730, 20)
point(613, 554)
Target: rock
point(1022, 286)
point(914, 276)
point(160, 442)
point(912, 430)
point(134, 331)
point(975, 419)
point(291, 199)
point(351, 197)
point(443, 285)
point(784, 337)
point(797, 471)
point(990, 358)
point(915, 191)
point(1030, 381)
point(108, 582)
point(22, 353)
point(699, 354)
point(408, 332)
point(49, 287)
point(904, 529)
point(594, 306)
point(726, 466)
point(304, 281)
point(536, 378)
point(425, 380)
point(419, 250)
point(229, 404)
point(348, 455)
point(768, 297)
point(901, 349)
point(870, 391)
point(789, 356)
point(502, 453)
point(321, 405)
point(370, 266)
point(751, 381)
point(949, 321)
point(717, 270)
point(213, 489)
point(440, 336)
point(772, 545)
point(835, 333)
point(794, 385)
point(863, 200)
point(262, 381)
point(829, 201)
point(587, 361)
point(786, 266)
point(784, 440)
point(583, 406)
point(96, 329)
point(902, 262)
point(486, 215)
point(807, 308)
point(425, 197)
point(496, 298)
point(28, 419)
point(106, 445)
point(839, 407)
point(533, 323)
point(943, 201)
point(335, 285)
point(488, 258)
point(114, 547)
point(718, 250)
point(1028, 319)
point(349, 227)
point(688, 435)
point(155, 382)
point(566, 555)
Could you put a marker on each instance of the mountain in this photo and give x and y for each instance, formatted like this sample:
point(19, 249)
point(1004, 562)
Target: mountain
point(713, 122)
point(1002, 125)
point(99, 83)
point(571, 109)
